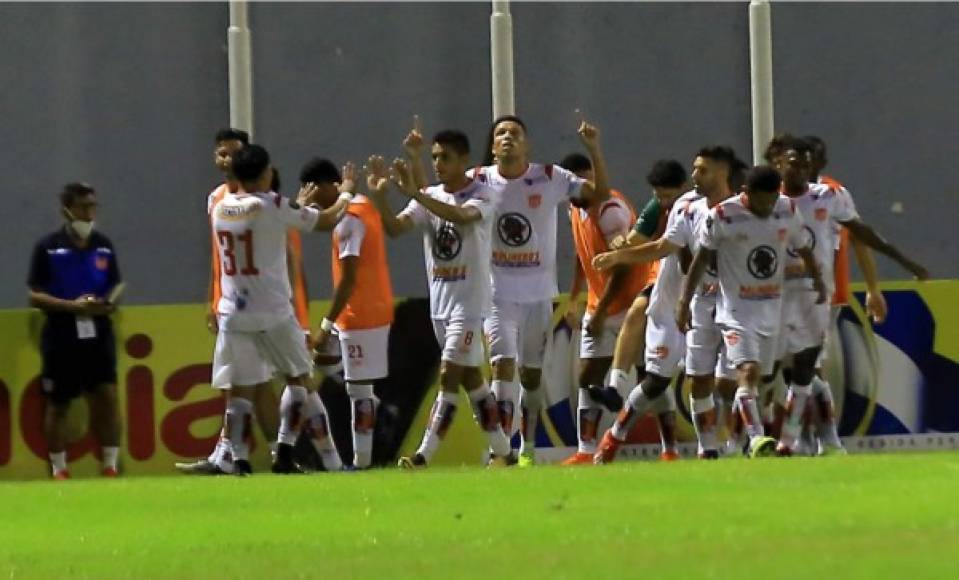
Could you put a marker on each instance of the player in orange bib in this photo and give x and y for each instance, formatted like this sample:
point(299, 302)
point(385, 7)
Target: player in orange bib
point(362, 307)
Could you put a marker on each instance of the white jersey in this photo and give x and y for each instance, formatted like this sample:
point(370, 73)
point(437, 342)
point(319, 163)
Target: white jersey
point(524, 231)
point(823, 210)
point(457, 255)
point(669, 280)
point(684, 232)
point(751, 253)
point(250, 231)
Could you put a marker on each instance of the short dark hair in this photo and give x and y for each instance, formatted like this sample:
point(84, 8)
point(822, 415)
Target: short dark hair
point(784, 142)
point(720, 153)
point(318, 170)
point(454, 139)
point(250, 162)
point(231, 134)
point(666, 173)
point(763, 178)
point(816, 144)
point(737, 175)
point(74, 190)
point(576, 162)
point(488, 155)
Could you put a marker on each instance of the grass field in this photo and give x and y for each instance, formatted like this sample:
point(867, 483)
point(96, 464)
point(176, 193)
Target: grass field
point(867, 516)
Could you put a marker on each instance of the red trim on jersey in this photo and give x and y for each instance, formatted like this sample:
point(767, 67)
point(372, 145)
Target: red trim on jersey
point(720, 212)
point(609, 204)
point(549, 170)
point(276, 199)
point(478, 173)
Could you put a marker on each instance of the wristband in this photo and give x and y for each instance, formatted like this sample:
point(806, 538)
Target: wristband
point(345, 196)
point(326, 325)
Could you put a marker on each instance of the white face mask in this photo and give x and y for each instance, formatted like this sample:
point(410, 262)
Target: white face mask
point(82, 228)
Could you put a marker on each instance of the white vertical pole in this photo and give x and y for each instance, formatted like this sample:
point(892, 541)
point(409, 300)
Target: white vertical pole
point(241, 67)
point(761, 75)
point(501, 58)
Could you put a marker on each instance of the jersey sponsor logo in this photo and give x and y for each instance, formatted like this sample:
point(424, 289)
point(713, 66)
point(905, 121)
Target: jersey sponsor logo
point(236, 212)
point(449, 273)
point(809, 236)
point(447, 243)
point(761, 292)
point(503, 259)
point(763, 262)
point(514, 229)
point(534, 200)
point(101, 262)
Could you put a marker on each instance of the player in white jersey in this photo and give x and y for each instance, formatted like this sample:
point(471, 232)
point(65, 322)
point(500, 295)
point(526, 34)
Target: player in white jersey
point(804, 323)
point(258, 331)
point(524, 262)
point(456, 219)
point(747, 236)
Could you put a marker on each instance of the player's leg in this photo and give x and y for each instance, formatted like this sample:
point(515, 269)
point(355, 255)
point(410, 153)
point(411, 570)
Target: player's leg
point(806, 327)
point(702, 351)
point(267, 406)
point(532, 335)
point(823, 404)
point(630, 345)
point(589, 410)
point(105, 425)
point(502, 328)
point(55, 432)
point(752, 354)
point(486, 414)
point(664, 408)
point(61, 384)
point(365, 361)
point(800, 389)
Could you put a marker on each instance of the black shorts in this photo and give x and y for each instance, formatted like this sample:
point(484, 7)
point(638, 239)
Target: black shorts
point(74, 367)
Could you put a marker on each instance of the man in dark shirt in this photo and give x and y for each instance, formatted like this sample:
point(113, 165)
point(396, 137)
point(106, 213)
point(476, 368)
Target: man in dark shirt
point(74, 278)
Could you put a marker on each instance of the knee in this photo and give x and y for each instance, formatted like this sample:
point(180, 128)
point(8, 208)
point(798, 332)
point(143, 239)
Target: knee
point(655, 385)
point(530, 378)
point(504, 369)
point(749, 373)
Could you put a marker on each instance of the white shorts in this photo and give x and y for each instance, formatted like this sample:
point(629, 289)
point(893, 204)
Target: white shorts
point(665, 346)
point(744, 346)
point(365, 353)
point(705, 350)
point(461, 340)
point(803, 324)
point(249, 358)
point(601, 346)
point(518, 331)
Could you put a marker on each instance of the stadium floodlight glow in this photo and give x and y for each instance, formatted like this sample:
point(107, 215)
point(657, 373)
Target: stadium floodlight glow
point(761, 75)
point(501, 58)
point(241, 67)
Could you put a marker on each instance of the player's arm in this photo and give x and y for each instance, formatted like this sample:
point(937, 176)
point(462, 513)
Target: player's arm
point(576, 287)
point(812, 267)
point(377, 182)
point(647, 252)
point(413, 147)
point(402, 175)
point(697, 268)
point(644, 229)
point(597, 190)
point(867, 235)
point(875, 302)
point(344, 290)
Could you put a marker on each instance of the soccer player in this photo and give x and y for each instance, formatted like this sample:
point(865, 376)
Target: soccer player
point(804, 323)
point(73, 276)
point(747, 237)
point(609, 294)
point(258, 330)
point(524, 262)
point(361, 310)
point(456, 219)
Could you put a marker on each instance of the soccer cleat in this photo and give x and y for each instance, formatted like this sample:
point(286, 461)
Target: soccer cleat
point(579, 458)
point(201, 467)
point(709, 454)
point(62, 475)
point(504, 461)
point(669, 455)
point(417, 461)
point(762, 446)
point(284, 460)
point(527, 459)
point(242, 468)
point(608, 448)
point(110, 472)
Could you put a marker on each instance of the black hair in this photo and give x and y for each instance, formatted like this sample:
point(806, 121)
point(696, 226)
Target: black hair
point(455, 140)
point(319, 170)
point(249, 163)
point(763, 178)
point(74, 190)
point(576, 163)
point(275, 186)
point(231, 134)
point(666, 173)
point(488, 155)
point(784, 142)
point(816, 143)
point(737, 175)
point(720, 153)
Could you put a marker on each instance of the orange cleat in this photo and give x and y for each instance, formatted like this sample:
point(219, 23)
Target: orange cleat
point(109, 472)
point(62, 475)
point(579, 458)
point(608, 448)
point(669, 455)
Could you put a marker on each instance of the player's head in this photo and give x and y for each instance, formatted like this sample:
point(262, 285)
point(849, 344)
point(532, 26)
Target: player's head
point(792, 157)
point(762, 189)
point(668, 180)
point(714, 169)
point(78, 202)
point(226, 143)
point(578, 164)
point(507, 140)
point(819, 157)
point(451, 155)
point(326, 176)
point(251, 167)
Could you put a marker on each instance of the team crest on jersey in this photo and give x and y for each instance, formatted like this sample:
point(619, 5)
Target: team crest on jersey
point(514, 229)
point(447, 243)
point(102, 263)
point(762, 262)
point(821, 214)
point(809, 236)
point(661, 352)
point(535, 200)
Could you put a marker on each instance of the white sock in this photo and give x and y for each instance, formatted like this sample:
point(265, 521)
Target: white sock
point(704, 421)
point(637, 403)
point(829, 427)
point(239, 415)
point(217, 454)
point(749, 410)
point(58, 461)
point(507, 399)
point(291, 413)
point(619, 380)
point(796, 398)
point(110, 456)
point(364, 420)
point(532, 402)
point(317, 427)
point(588, 415)
point(441, 417)
point(486, 413)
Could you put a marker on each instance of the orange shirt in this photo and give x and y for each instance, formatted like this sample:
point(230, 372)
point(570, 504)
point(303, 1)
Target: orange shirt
point(371, 303)
point(294, 246)
point(589, 242)
point(841, 269)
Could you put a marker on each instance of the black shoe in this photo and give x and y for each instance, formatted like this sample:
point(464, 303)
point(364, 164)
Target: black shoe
point(709, 454)
point(284, 460)
point(242, 468)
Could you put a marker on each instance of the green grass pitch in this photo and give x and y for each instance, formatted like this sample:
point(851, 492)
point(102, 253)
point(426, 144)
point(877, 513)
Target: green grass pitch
point(867, 516)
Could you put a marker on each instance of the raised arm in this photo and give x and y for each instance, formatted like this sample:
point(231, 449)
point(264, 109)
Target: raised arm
point(864, 233)
point(413, 146)
point(456, 214)
point(377, 183)
point(597, 190)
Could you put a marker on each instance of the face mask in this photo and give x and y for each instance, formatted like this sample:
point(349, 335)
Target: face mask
point(82, 228)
